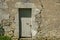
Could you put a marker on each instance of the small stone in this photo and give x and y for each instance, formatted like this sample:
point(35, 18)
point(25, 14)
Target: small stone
point(6, 22)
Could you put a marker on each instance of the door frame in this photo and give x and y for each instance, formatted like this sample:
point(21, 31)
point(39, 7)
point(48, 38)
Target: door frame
point(35, 11)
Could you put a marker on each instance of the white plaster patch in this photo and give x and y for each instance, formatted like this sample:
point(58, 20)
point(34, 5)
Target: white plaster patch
point(33, 32)
point(35, 11)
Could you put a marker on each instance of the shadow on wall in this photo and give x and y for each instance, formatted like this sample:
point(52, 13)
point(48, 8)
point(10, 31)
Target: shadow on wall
point(1, 30)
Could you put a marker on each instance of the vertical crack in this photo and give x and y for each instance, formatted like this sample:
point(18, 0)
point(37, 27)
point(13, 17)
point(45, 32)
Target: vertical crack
point(38, 17)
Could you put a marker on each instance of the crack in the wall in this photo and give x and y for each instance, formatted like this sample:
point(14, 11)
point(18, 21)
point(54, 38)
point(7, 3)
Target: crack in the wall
point(39, 17)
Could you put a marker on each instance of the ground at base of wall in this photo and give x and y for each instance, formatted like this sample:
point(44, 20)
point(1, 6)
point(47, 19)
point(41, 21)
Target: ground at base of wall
point(26, 39)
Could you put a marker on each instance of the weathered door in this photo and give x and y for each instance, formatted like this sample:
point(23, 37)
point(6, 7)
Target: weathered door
point(25, 22)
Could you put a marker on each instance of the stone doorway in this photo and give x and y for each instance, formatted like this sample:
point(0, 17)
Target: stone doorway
point(25, 22)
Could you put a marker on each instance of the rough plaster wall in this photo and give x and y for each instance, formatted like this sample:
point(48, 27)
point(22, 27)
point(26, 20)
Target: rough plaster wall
point(50, 25)
point(50, 15)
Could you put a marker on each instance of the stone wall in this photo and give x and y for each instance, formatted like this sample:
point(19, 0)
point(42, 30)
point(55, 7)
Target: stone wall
point(9, 16)
point(50, 16)
point(7, 12)
point(47, 17)
point(50, 25)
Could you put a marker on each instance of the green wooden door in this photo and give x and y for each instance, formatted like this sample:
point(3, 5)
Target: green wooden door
point(25, 22)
